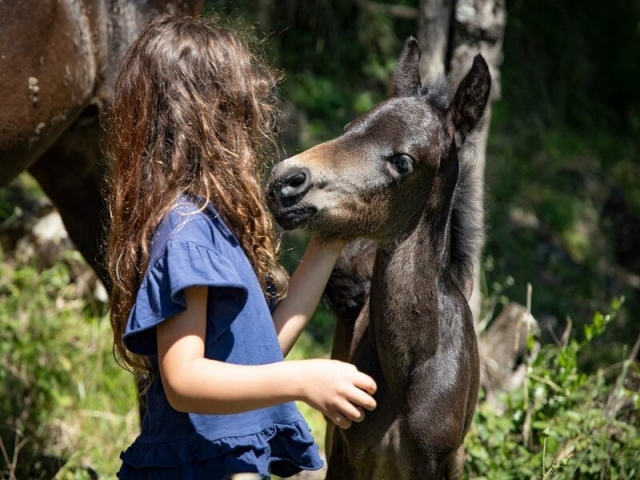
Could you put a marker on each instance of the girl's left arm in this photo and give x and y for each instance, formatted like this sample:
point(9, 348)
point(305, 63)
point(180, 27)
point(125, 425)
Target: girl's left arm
point(305, 290)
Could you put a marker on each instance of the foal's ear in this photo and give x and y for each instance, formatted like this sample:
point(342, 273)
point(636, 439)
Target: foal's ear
point(406, 76)
point(471, 98)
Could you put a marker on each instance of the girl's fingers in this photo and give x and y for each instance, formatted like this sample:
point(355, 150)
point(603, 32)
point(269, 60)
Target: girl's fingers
point(350, 411)
point(340, 420)
point(362, 399)
point(365, 382)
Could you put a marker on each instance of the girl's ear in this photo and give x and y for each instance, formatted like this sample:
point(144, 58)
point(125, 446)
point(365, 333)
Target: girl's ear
point(471, 98)
point(406, 77)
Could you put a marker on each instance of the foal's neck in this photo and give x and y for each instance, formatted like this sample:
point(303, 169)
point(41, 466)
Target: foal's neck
point(417, 264)
point(408, 291)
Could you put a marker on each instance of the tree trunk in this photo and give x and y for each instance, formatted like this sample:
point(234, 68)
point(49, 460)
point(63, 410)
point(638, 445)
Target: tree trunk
point(434, 27)
point(451, 33)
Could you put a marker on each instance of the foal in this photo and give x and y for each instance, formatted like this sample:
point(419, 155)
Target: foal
point(394, 177)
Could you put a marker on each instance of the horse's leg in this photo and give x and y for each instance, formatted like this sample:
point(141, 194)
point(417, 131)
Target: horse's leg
point(71, 174)
point(455, 465)
point(339, 467)
point(339, 351)
point(346, 293)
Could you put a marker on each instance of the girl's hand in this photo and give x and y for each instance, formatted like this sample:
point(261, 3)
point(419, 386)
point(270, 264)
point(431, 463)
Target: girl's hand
point(334, 246)
point(338, 390)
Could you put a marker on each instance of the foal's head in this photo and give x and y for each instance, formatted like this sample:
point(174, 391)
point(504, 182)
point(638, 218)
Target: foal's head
point(392, 165)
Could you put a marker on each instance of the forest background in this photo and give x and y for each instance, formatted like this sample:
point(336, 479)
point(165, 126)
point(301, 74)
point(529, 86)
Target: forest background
point(562, 210)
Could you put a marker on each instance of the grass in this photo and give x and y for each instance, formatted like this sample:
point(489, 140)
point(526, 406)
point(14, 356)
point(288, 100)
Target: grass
point(63, 395)
point(100, 411)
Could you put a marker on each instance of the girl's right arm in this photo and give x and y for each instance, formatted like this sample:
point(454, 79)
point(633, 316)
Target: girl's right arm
point(305, 290)
point(196, 384)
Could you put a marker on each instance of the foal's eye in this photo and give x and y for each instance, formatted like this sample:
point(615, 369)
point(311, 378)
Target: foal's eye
point(403, 163)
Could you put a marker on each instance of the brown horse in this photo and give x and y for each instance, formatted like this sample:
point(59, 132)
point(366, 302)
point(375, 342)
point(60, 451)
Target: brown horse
point(395, 177)
point(57, 62)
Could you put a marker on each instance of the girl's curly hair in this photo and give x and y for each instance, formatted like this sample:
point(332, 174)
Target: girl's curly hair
point(194, 112)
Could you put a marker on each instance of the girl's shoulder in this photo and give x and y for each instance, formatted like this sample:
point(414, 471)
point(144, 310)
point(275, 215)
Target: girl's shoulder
point(189, 221)
point(189, 249)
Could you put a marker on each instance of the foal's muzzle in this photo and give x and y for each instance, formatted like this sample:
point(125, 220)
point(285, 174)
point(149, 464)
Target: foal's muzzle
point(285, 191)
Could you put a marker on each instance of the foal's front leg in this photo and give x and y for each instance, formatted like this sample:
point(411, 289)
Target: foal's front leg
point(339, 467)
point(340, 351)
point(455, 465)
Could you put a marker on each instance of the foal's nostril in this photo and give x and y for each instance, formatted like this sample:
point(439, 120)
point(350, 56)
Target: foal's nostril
point(294, 183)
point(297, 179)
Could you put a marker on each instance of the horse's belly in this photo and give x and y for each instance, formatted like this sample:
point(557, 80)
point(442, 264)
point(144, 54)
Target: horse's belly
point(48, 71)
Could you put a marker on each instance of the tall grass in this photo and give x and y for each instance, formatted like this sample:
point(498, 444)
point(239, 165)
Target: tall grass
point(67, 408)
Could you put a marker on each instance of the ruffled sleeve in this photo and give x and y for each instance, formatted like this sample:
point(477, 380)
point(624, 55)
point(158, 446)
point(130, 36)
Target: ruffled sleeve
point(161, 295)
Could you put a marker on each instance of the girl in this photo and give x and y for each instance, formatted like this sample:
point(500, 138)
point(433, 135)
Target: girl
point(192, 256)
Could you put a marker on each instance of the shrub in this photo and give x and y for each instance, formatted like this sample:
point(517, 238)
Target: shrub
point(563, 422)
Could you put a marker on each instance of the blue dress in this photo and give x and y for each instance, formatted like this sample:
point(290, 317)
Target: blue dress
point(193, 247)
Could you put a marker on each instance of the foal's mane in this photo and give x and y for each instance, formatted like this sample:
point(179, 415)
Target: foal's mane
point(438, 94)
point(466, 223)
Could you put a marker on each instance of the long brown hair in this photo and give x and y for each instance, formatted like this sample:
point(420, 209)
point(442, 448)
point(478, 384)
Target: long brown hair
point(194, 112)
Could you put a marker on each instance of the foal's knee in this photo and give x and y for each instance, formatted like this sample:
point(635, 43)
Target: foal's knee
point(440, 439)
